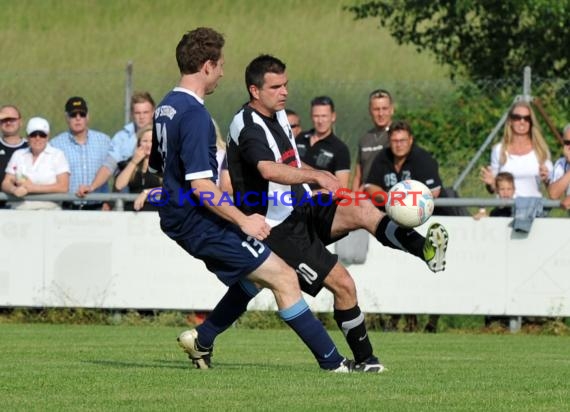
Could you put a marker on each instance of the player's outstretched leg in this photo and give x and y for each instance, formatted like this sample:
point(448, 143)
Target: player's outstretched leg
point(365, 215)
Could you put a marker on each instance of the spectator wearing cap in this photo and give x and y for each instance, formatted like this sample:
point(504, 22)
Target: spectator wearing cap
point(39, 168)
point(86, 151)
point(319, 147)
point(10, 141)
point(124, 142)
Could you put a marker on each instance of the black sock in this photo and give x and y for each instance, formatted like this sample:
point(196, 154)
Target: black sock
point(390, 234)
point(351, 322)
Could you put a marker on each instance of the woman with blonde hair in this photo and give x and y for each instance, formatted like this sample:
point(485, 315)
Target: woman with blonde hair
point(135, 173)
point(523, 152)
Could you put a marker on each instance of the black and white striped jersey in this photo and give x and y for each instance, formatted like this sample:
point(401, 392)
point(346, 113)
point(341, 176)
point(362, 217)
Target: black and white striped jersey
point(252, 138)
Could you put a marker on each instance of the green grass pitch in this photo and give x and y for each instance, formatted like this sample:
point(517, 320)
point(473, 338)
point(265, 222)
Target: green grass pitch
point(76, 367)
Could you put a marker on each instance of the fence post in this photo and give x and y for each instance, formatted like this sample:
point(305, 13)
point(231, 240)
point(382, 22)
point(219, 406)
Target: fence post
point(128, 90)
point(526, 84)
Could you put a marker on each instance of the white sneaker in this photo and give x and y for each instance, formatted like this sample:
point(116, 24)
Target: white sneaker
point(346, 366)
point(370, 365)
point(435, 247)
point(200, 357)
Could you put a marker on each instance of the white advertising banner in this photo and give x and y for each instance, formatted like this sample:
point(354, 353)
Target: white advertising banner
point(123, 260)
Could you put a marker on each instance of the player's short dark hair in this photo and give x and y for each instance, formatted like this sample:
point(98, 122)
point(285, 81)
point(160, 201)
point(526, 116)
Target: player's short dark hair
point(141, 97)
point(197, 47)
point(400, 125)
point(258, 67)
point(323, 101)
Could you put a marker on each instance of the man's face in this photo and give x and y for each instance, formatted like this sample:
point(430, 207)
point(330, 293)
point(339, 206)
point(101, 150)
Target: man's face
point(272, 96)
point(381, 111)
point(323, 119)
point(142, 114)
point(295, 123)
point(77, 122)
point(401, 143)
point(215, 73)
point(10, 126)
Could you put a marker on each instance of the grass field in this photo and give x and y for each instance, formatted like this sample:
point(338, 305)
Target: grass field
point(53, 49)
point(71, 367)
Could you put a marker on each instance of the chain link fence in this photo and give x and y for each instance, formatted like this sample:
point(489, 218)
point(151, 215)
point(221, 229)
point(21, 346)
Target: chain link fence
point(451, 119)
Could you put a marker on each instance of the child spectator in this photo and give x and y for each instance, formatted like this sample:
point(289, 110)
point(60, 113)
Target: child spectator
point(505, 188)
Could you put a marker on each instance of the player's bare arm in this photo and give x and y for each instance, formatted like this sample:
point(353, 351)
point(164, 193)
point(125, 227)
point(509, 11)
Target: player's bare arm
point(253, 225)
point(288, 175)
point(557, 189)
point(356, 183)
point(372, 189)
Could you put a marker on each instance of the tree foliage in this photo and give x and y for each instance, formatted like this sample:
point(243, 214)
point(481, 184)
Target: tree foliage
point(481, 38)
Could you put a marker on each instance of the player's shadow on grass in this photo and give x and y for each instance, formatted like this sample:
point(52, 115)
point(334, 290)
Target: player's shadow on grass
point(174, 364)
point(171, 364)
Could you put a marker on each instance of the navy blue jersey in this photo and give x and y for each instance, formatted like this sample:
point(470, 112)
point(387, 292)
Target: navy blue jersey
point(183, 149)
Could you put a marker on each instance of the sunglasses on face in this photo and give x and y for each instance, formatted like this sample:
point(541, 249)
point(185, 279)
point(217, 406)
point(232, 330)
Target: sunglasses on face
point(566, 142)
point(38, 134)
point(294, 125)
point(517, 117)
point(9, 120)
point(75, 114)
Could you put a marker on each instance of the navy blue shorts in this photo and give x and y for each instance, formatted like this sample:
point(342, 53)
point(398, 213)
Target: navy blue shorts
point(227, 252)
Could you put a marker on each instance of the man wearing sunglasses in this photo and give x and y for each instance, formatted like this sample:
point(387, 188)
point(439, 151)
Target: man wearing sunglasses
point(39, 168)
point(560, 179)
point(10, 124)
point(86, 150)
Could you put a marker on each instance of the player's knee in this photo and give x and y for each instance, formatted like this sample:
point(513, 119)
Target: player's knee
point(341, 284)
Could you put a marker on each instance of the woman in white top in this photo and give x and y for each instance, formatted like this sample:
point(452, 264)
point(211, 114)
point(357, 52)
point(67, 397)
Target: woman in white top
point(39, 168)
point(523, 152)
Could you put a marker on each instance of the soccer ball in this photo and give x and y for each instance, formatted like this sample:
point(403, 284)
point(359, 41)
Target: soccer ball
point(409, 203)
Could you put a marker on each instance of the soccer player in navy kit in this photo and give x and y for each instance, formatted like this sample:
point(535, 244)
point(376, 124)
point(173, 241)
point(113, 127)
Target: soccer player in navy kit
point(228, 241)
point(263, 159)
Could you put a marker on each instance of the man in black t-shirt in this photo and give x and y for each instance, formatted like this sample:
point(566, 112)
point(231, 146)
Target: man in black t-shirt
point(402, 160)
point(10, 124)
point(319, 148)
